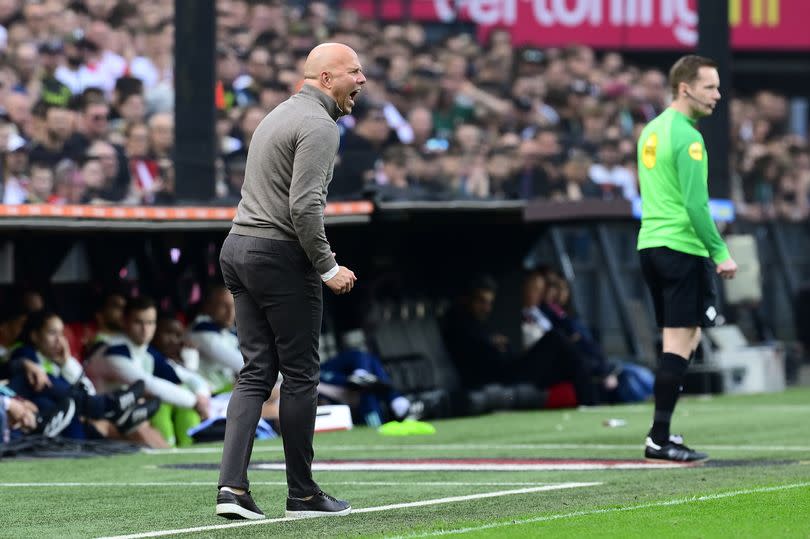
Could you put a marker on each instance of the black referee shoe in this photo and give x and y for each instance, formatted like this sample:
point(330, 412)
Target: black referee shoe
point(238, 506)
point(672, 451)
point(320, 505)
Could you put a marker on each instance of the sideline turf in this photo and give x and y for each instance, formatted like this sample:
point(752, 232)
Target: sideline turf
point(776, 423)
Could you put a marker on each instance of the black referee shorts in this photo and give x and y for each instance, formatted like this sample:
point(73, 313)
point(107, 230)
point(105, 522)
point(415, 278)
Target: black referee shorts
point(683, 287)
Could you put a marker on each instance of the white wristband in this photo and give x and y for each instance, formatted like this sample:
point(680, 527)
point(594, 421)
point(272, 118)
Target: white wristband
point(329, 274)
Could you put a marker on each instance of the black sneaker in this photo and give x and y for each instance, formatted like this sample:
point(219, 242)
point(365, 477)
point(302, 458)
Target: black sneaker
point(320, 505)
point(58, 420)
point(126, 398)
point(672, 451)
point(129, 419)
point(237, 506)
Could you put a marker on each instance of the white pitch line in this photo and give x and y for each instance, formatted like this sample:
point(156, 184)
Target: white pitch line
point(475, 467)
point(559, 516)
point(694, 405)
point(280, 483)
point(422, 503)
point(473, 447)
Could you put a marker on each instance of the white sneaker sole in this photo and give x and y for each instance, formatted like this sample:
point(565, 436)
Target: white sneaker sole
point(313, 514)
point(668, 461)
point(233, 511)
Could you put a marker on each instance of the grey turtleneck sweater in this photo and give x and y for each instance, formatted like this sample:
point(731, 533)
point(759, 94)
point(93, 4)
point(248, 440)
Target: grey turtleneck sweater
point(289, 166)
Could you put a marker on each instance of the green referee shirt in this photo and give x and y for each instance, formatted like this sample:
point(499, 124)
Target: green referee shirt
point(673, 172)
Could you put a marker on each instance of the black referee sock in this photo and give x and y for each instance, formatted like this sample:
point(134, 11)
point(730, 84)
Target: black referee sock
point(667, 387)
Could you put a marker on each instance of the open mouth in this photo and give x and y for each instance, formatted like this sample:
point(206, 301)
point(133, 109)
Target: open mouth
point(352, 96)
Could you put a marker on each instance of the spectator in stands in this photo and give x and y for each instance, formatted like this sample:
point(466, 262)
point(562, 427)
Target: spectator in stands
point(614, 179)
point(161, 135)
point(24, 60)
point(272, 94)
point(228, 67)
point(6, 127)
point(550, 152)
point(51, 91)
point(40, 186)
point(471, 181)
point(437, 84)
point(421, 121)
point(15, 170)
point(500, 169)
point(234, 169)
point(165, 190)
point(91, 123)
point(212, 334)
point(91, 176)
point(80, 72)
point(51, 148)
point(68, 183)
point(393, 180)
point(109, 63)
point(35, 15)
point(18, 108)
point(134, 359)
point(594, 125)
point(361, 151)
point(258, 72)
point(142, 167)
point(576, 184)
point(228, 143)
point(790, 200)
point(131, 109)
point(248, 122)
point(154, 65)
point(760, 187)
point(113, 175)
point(652, 94)
point(531, 179)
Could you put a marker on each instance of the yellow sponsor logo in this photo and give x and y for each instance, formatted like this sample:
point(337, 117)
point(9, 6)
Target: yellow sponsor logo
point(648, 151)
point(760, 12)
point(696, 151)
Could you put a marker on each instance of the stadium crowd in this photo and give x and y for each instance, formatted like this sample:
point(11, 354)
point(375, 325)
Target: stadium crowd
point(87, 95)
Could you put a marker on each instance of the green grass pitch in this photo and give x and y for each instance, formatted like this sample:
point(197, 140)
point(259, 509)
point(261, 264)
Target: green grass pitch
point(756, 485)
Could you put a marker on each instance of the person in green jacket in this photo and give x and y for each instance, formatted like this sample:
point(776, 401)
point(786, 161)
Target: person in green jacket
point(679, 245)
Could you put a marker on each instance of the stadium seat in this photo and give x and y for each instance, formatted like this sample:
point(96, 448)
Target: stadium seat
point(78, 335)
point(407, 338)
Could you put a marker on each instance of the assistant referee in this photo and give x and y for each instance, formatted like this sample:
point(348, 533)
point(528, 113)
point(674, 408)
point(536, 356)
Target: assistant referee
point(679, 245)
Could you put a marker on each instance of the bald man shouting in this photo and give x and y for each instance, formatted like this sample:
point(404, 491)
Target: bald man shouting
point(274, 261)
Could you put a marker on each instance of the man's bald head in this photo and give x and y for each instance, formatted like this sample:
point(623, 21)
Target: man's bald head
point(327, 57)
point(335, 70)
